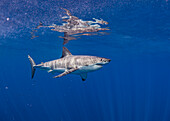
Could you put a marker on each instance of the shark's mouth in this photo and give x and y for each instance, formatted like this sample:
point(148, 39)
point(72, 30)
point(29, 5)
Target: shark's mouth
point(99, 64)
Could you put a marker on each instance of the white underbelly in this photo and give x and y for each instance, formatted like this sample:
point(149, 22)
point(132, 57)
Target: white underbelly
point(84, 69)
point(60, 70)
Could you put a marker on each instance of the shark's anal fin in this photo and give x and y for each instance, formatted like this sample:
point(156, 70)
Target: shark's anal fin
point(83, 76)
point(66, 72)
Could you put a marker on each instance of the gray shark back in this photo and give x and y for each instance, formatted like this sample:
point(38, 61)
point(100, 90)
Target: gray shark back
point(71, 62)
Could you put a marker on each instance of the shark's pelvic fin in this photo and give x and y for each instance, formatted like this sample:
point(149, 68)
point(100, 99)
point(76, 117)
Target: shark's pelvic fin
point(65, 52)
point(50, 71)
point(66, 72)
point(83, 76)
point(32, 65)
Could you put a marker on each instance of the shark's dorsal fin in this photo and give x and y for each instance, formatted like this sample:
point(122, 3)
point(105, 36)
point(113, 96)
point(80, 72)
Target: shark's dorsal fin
point(65, 52)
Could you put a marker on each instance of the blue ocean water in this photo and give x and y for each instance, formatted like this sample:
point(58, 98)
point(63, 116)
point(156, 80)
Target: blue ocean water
point(134, 86)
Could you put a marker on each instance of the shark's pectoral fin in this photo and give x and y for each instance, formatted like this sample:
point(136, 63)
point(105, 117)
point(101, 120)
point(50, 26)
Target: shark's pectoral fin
point(66, 72)
point(83, 76)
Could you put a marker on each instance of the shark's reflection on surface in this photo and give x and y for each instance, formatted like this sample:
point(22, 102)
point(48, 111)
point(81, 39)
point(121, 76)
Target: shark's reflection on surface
point(74, 27)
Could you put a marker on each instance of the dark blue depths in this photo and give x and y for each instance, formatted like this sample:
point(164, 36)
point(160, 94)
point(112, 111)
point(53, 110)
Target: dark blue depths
point(134, 86)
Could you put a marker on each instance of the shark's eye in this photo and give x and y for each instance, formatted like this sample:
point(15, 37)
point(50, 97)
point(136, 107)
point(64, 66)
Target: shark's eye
point(101, 59)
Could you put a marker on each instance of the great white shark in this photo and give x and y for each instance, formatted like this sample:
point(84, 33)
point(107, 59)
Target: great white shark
point(70, 64)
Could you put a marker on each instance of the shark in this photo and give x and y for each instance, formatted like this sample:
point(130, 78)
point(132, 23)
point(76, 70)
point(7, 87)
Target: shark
point(70, 64)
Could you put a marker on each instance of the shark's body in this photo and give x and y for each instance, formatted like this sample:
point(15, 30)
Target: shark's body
point(69, 63)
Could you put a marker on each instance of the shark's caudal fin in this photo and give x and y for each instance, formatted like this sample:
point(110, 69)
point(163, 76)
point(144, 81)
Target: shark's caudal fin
point(32, 65)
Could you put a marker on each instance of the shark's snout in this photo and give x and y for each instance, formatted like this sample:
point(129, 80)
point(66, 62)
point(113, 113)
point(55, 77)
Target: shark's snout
point(108, 60)
point(103, 61)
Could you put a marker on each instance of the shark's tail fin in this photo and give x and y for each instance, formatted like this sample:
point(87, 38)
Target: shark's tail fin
point(32, 65)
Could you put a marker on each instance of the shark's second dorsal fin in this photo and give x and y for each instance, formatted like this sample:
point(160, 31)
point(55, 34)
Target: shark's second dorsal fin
point(65, 52)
